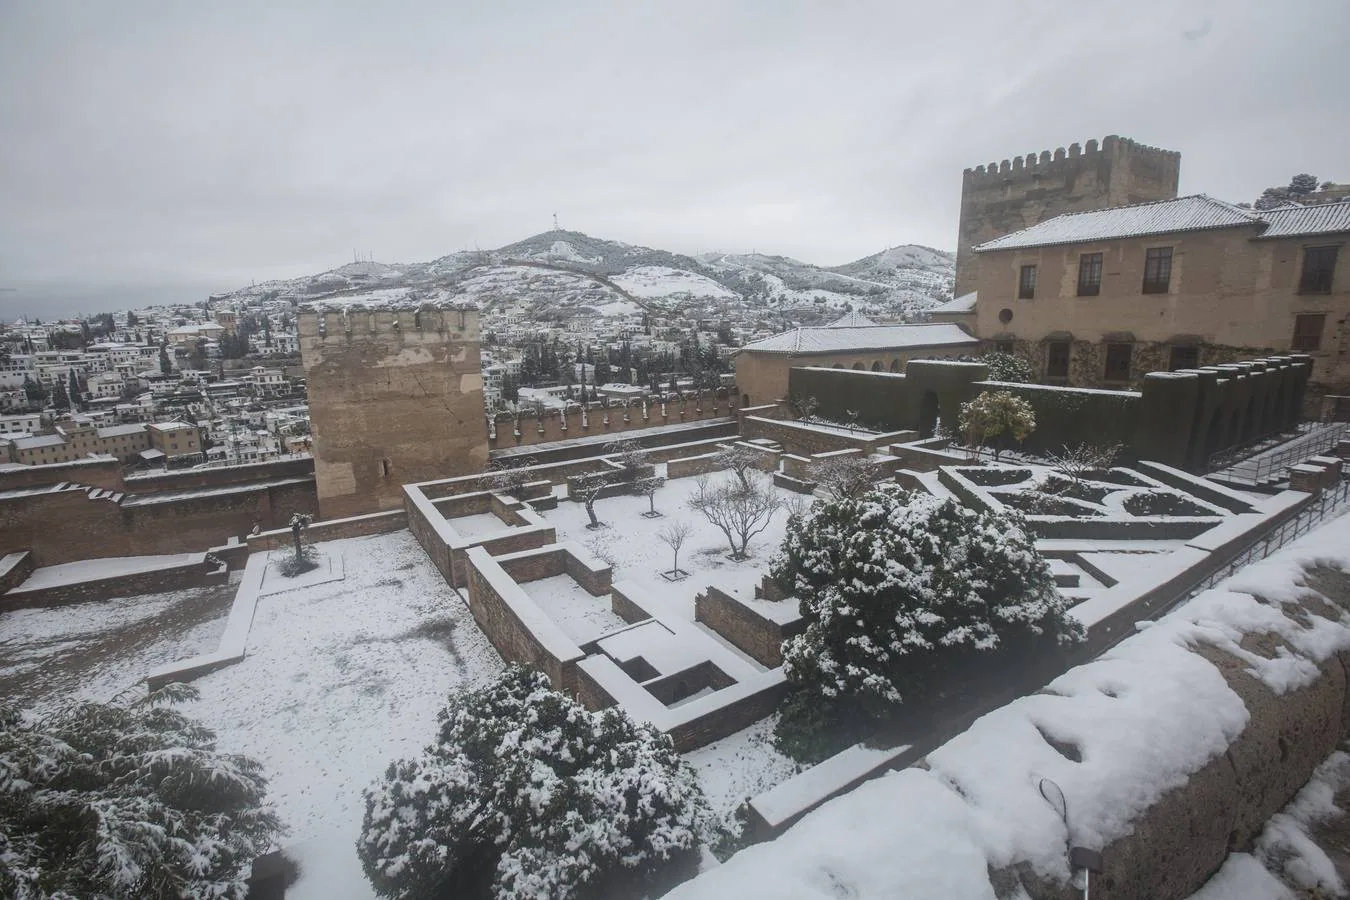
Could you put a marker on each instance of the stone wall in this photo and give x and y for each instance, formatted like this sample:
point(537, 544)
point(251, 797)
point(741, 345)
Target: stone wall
point(60, 526)
point(763, 377)
point(333, 529)
point(739, 623)
point(223, 476)
point(104, 473)
point(198, 573)
point(395, 397)
point(803, 439)
point(606, 417)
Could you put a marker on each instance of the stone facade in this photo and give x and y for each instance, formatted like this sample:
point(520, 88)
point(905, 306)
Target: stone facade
point(395, 396)
point(1004, 197)
point(763, 377)
point(1232, 295)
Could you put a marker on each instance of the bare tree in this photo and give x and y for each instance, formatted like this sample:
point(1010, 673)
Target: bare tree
point(1076, 462)
point(739, 459)
point(510, 477)
point(739, 511)
point(806, 408)
point(647, 487)
point(630, 455)
point(847, 476)
point(589, 489)
point(673, 534)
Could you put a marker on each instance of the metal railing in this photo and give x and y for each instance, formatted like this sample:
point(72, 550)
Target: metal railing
point(1331, 502)
point(1272, 464)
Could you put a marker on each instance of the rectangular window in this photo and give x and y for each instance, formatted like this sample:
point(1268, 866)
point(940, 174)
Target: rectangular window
point(1184, 356)
point(1157, 270)
point(1089, 274)
point(1319, 264)
point(1026, 283)
point(1118, 362)
point(1057, 359)
point(1308, 332)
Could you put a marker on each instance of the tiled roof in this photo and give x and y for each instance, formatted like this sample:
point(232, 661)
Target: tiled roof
point(851, 319)
point(841, 339)
point(1194, 213)
point(1295, 221)
point(963, 304)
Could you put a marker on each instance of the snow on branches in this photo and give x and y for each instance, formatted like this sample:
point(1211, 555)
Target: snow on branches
point(899, 591)
point(128, 799)
point(527, 794)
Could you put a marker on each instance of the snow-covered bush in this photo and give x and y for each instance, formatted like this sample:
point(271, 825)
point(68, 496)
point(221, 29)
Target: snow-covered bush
point(128, 799)
point(905, 599)
point(993, 415)
point(1007, 367)
point(527, 794)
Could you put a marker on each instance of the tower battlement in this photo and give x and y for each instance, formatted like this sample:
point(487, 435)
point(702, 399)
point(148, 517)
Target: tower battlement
point(1049, 162)
point(1003, 197)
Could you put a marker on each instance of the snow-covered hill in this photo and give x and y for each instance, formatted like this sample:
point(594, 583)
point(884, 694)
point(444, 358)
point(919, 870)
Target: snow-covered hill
point(561, 273)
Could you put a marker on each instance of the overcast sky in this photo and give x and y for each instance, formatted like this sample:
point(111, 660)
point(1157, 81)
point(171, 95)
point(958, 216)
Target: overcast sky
point(194, 146)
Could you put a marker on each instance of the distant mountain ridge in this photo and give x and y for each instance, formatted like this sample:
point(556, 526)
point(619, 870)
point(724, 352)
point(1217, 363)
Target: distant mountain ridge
point(560, 273)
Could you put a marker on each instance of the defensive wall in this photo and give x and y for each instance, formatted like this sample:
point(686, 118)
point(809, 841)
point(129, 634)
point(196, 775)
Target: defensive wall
point(1001, 198)
point(606, 417)
point(1179, 418)
point(199, 571)
point(67, 522)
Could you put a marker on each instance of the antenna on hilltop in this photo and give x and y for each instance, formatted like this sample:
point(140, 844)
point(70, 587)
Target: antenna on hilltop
point(555, 222)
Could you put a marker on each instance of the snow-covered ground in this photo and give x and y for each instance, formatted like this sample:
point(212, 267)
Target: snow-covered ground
point(95, 650)
point(740, 766)
point(342, 678)
point(661, 281)
point(631, 542)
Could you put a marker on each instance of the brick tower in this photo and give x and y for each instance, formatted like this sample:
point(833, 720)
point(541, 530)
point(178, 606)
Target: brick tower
point(395, 396)
point(998, 199)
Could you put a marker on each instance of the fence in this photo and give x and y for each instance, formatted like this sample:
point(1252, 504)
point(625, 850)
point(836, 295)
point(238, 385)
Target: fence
point(1272, 464)
point(1330, 503)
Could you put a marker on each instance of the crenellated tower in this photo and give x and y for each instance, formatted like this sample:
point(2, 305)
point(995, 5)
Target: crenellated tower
point(395, 396)
point(1004, 197)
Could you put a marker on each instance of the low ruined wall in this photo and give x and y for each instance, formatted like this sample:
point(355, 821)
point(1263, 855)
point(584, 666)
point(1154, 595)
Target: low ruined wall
point(691, 466)
point(14, 568)
point(761, 638)
point(729, 718)
point(157, 581)
point(515, 625)
point(804, 440)
point(333, 529)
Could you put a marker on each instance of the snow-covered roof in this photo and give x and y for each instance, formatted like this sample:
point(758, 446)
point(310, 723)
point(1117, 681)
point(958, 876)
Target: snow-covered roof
point(42, 440)
point(1194, 213)
point(963, 304)
point(170, 426)
point(852, 319)
point(1296, 221)
point(115, 430)
point(832, 339)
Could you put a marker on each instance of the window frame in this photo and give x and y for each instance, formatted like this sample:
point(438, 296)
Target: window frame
point(1106, 361)
point(1050, 353)
point(1026, 287)
point(1190, 349)
point(1157, 270)
point(1325, 275)
point(1090, 263)
point(1300, 346)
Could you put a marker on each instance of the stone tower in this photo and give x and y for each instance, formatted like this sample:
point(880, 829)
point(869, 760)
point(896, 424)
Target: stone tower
point(395, 396)
point(998, 199)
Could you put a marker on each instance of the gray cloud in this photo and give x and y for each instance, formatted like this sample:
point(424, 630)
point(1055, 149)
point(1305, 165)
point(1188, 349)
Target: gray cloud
point(161, 143)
